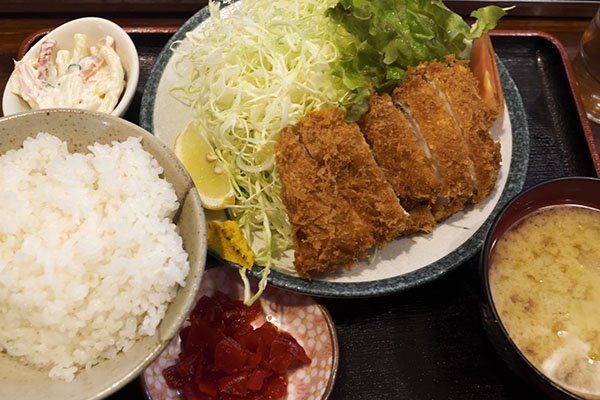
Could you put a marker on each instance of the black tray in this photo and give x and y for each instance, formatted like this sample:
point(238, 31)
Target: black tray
point(428, 342)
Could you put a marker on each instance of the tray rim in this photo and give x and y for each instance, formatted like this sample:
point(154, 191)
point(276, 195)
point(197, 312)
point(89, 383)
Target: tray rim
point(584, 122)
point(528, 8)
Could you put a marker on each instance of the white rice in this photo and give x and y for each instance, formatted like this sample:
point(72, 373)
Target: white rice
point(89, 256)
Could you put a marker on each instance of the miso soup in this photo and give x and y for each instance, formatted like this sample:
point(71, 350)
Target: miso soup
point(545, 283)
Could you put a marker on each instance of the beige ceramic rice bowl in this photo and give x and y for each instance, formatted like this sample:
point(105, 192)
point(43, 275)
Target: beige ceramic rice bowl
point(80, 129)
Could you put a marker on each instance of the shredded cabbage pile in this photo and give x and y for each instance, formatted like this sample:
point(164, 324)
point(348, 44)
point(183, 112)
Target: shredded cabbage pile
point(256, 67)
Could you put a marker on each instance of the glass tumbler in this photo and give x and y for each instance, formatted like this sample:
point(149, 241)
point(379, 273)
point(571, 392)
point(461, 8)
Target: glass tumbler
point(586, 66)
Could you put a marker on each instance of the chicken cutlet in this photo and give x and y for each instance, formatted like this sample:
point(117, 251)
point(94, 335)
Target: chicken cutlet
point(340, 148)
point(421, 102)
point(405, 160)
point(327, 233)
point(459, 87)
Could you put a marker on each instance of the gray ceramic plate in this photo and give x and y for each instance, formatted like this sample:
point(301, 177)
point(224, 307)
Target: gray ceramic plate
point(406, 262)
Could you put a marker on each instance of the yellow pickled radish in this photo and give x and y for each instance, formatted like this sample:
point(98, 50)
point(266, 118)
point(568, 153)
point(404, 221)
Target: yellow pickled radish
point(227, 239)
point(209, 175)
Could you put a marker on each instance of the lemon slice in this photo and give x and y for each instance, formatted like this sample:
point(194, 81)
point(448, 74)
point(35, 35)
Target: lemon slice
point(209, 175)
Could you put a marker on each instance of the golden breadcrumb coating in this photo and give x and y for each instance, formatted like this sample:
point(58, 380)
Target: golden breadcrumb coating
point(327, 232)
point(475, 118)
point(340, 148)
point(404, 159)
point(425, 149)
point(421, 101)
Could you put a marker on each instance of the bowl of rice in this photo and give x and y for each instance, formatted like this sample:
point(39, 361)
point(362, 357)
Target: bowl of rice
point(102, 248)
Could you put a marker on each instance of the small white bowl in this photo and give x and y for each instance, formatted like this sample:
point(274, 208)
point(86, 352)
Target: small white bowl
point(95, 29)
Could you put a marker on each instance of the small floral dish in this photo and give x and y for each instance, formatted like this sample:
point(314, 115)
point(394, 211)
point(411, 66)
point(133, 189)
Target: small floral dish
point(88, 63)
point(307, 321)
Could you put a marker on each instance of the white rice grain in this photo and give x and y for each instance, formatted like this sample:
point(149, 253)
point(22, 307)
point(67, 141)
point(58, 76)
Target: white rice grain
point(89, 256)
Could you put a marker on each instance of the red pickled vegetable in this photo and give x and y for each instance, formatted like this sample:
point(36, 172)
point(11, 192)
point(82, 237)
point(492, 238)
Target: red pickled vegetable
point(284, 350)
point(274, 388)
point(234, 384)
point(256, 379)
point(200, 336)
point(224, 358)
point(206, 386)
point(187, 365)
point(172, 377)
point(230, 356)
point(191, 392)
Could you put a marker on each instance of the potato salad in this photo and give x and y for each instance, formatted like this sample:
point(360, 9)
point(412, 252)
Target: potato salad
point(86, 77)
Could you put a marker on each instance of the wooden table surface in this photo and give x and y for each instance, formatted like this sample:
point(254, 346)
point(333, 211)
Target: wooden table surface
point(14, 28)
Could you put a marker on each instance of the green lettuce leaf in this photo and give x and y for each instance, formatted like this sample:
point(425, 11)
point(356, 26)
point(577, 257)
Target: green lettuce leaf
point(388, 36)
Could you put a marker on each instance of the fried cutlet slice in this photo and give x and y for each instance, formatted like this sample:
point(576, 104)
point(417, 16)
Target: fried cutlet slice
point(420, 219)
point(340, 148)
point(327, 232)
point(459, 87)
point(420, 101)
point(404, 159)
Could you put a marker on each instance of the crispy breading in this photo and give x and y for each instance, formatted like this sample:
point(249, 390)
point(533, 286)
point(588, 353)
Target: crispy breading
point(420, 220)
point(404, 159)
point(431, 154)
point(421, 101)
point(327, 232)
point(340, 148)
point(474, 116)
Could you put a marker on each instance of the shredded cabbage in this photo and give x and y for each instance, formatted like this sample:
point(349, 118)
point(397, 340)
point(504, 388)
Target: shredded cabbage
point(256, 67)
